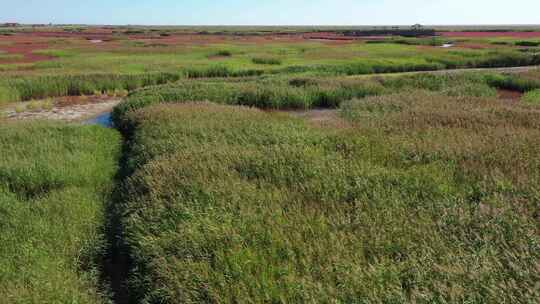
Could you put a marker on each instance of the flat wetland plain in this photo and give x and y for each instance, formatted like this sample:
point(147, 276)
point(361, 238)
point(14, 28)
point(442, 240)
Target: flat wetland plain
point(269, 165)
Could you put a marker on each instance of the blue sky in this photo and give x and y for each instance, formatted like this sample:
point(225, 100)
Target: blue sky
point(272, 12)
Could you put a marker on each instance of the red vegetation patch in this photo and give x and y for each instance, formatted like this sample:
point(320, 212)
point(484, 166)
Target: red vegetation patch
point(508, 95)
point(25, 48)
point(88, 36)
point(491, 34)
point(338, 39)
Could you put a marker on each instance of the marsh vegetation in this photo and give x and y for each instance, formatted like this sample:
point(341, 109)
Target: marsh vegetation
point(420, 188)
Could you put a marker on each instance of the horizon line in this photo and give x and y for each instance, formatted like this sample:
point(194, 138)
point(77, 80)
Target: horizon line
point(271, 25)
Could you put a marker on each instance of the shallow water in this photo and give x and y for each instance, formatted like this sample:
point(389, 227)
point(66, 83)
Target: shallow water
point(104, 120)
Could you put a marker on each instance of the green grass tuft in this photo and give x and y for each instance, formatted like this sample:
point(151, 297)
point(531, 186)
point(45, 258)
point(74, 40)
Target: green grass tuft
point(27, 88)
point(532, 97)
point(223, 53)
point(267, 60)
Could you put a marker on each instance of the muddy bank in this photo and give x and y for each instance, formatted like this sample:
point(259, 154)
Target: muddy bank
point(509, 95)
point(94, 111)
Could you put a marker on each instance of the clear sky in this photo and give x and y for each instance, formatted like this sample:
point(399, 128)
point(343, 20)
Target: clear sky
point(272, 12)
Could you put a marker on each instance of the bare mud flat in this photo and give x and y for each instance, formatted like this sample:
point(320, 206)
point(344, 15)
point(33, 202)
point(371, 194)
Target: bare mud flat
point(509, 95)
point(63, 112)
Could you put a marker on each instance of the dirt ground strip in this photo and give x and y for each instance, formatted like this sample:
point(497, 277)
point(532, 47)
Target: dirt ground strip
point(62, 110)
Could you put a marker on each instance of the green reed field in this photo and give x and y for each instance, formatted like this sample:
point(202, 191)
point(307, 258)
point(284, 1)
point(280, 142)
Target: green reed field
point(419, 197)
point(55, 182)
point(292, 92)
point(426, 192)
point(218, 187)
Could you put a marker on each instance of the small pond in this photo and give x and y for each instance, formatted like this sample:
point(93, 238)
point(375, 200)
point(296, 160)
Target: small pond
point(104, 120)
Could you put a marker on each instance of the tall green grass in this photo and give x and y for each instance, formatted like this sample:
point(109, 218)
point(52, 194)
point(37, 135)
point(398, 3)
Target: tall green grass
point(217, 71)
point(421, 198)
point(267, 60)
point(523, 82)
point(299, 92)
point(365, 67)
point(527, 43)
point(54, 185)
point(265, 93)
point(26, 88)
point(472, 84)
point(532, 97)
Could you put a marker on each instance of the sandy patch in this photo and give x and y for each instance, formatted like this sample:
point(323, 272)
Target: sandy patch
point(61, 112)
